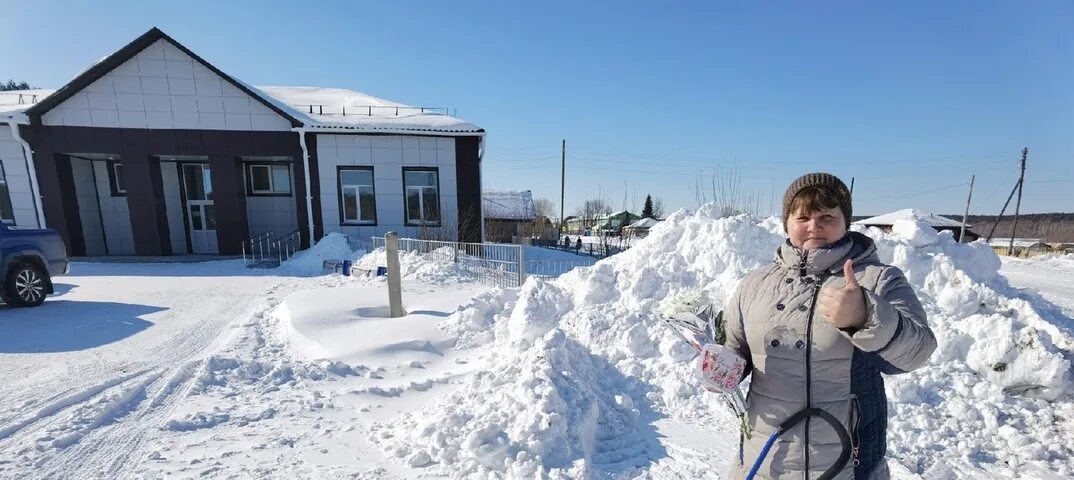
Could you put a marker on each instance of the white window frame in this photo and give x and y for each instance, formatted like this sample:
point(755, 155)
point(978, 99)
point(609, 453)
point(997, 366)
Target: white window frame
point(117, 187)
point(357, 189)
point(421, 198)
point(272, 179)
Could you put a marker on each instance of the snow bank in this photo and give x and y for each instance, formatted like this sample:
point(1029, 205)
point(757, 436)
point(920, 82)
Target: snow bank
point(577, 361)
point(310, 262)
point(438, 266)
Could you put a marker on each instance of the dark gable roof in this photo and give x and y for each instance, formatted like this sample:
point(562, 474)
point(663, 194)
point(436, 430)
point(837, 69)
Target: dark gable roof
point(126, 53)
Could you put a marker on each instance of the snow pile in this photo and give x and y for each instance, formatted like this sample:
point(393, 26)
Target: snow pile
point(1001, 368)
point(437, 266)
point(578, 367)
point(546, 407)
point(310, 262)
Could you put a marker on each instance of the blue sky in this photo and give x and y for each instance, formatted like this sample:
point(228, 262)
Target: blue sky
point(909, 98)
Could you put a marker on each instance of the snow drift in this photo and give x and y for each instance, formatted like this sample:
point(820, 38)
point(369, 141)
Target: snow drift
point(577, 368)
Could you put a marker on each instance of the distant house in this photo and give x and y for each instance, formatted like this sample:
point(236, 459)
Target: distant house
point(1023, 247)
point(885, 221)
point(640, 228)
point(608, 224)
point(508, 214)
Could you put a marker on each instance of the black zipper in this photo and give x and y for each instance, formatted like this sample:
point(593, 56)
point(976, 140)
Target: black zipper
point(809, 358)
point(855, 416)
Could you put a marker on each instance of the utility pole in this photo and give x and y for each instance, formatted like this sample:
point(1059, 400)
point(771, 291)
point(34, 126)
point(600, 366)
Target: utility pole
point(1018, 204)
point(965, 216)
point(562, 180)
point(1001, 211)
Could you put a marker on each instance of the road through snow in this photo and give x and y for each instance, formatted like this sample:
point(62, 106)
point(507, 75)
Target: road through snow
point(88, 374)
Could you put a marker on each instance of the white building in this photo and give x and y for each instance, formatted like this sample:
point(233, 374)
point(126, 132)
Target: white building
point(155, 151)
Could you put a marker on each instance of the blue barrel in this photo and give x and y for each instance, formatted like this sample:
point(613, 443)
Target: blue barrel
point(382, 271)
point(346, 268)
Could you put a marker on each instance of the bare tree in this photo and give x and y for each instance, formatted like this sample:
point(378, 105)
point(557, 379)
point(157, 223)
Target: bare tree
point(730, 196)
point(591, 211)
point(544, 219)
point(658, 208)
point(543, 207)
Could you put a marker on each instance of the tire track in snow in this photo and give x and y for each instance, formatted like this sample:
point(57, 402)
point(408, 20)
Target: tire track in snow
point(68, 401)
point(118, 449)
point(111, 448)
point(101, 431)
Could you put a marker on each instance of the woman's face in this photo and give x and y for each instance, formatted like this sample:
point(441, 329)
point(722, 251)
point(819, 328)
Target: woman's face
point(816, 230)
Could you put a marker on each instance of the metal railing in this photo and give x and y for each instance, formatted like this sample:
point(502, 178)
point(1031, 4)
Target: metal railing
point(555, 268)
point(595, 250)
point(287, 245)
point(497, 264)
point(267, 251)
point(370, 110)
point(257, 249)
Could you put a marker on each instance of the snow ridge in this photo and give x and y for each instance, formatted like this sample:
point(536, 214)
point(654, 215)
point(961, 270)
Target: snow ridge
point(567, 349)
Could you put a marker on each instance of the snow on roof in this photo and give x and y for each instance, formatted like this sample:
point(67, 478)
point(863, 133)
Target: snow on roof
point(508, 204)
point(320, 109)
point(14, 102)
point(889, 219)
point(347, 110)
point(644, 223)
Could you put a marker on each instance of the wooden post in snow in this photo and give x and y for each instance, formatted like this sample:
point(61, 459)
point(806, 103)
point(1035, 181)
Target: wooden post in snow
point(395, 294)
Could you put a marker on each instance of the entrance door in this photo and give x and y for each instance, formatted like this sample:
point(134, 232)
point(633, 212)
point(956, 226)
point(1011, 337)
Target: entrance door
point(200, 212)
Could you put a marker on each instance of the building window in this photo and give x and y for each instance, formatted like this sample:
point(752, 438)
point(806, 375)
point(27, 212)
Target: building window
point(422, 189)
point(357, 198)
point(267, 179)
point(115, 178)
point(7, 214)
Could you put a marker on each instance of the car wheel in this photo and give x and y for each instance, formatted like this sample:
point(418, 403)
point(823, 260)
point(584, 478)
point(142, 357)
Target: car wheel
point(25, 286)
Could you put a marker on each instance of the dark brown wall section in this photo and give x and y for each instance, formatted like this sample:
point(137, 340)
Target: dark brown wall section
point(139, 150)
point(468, 179)
point(66, 179)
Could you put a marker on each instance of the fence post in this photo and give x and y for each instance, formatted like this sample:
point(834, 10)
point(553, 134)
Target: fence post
point(395, 295)
point(521, 265)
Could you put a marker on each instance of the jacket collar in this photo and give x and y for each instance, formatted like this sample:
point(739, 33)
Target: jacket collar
point(853, 245)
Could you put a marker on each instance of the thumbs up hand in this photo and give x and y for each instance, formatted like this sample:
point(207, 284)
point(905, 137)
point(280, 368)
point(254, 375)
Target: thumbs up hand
point(843, 307)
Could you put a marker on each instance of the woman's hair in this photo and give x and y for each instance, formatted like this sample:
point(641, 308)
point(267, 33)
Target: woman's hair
point(814, 192)
point(812, 200)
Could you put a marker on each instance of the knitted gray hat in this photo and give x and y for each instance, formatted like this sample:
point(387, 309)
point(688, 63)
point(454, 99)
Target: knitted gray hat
point(818, 179)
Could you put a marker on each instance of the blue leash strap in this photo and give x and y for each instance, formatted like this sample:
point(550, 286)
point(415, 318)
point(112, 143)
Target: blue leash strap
point(844, 439)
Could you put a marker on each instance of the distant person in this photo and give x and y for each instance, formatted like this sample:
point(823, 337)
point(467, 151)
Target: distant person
point(567, 242)
point(817, 328)
point(578, 245)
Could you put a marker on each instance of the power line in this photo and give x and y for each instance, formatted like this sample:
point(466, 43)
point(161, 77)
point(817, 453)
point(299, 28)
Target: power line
point(922, 192)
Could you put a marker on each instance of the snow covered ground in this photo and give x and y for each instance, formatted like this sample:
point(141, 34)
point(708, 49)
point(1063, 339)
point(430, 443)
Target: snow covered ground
point(212, 370)
point(1051, 276)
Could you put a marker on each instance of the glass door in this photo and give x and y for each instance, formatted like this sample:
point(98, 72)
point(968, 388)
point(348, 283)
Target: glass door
point(200, 211)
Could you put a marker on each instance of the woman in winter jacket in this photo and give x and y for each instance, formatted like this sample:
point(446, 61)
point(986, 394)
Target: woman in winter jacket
point(818, 328)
